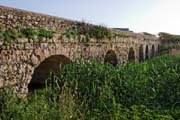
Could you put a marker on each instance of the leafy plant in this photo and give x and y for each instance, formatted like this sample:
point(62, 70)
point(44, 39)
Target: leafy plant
point(30, 32)
point(45, 33)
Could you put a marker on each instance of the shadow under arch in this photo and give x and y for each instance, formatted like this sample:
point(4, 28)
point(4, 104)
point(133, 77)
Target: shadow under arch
point(153, 51)
point(158, 48)
point(147, 52)
point(41, 73)
point(111, 58)
point(141, 53)
point(131, 55)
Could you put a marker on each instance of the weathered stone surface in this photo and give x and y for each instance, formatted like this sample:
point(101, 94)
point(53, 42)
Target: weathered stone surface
point(34, 60)
point(22, 40)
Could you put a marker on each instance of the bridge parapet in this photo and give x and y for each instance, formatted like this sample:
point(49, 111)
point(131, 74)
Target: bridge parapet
point(11, 18)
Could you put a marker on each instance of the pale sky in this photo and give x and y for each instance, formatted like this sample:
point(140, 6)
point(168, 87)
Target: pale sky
point(151, 16)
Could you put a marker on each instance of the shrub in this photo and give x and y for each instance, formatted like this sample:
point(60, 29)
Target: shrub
point(30, 32)
point(45, 33)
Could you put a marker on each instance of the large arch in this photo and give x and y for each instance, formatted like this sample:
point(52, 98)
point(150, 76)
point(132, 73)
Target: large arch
point(131, 55)
point(141, 53)
point(42, 71)
point(147, 52)
point(153, 51)
point(111, 58)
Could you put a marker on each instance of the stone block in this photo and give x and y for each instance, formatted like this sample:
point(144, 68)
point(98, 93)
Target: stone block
point(28, 46)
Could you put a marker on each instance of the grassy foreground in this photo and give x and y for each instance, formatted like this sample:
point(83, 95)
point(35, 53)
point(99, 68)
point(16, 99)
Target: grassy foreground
point(97, 91)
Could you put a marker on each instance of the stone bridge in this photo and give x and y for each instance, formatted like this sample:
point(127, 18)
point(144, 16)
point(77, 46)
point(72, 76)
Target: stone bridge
point(29, 60)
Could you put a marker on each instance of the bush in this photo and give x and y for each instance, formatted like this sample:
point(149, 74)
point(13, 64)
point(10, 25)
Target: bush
point(45, 33)
point(30, 32)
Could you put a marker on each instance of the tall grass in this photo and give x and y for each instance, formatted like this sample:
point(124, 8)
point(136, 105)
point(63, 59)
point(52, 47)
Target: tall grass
point(94, 90)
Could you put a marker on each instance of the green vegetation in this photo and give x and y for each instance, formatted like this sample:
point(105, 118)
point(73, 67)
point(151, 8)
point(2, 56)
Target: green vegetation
point(10, 35)
point(169, 37)
point(169, 41)
point(169, 46)
point(80, 31)
point(89, 31)
point(30, 32)
point(93, 90)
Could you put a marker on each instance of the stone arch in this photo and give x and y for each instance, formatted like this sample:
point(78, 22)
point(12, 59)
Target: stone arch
point(131, 55)
point(141, 53)
point(153, 51)
point(147, 52)
point(42, 71)
point(111, 58)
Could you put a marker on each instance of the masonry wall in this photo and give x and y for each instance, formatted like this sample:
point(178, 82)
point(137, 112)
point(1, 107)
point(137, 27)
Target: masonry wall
point(14, 17)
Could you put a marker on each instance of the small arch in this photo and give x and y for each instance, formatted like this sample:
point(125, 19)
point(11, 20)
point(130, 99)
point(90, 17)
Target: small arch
point(141, 53)
point(131, 55)
point(153, 51)
point(111, 58)
point(42, 71)
point(147, 52)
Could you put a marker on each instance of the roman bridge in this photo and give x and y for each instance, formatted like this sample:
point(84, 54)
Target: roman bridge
point(29, 60)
